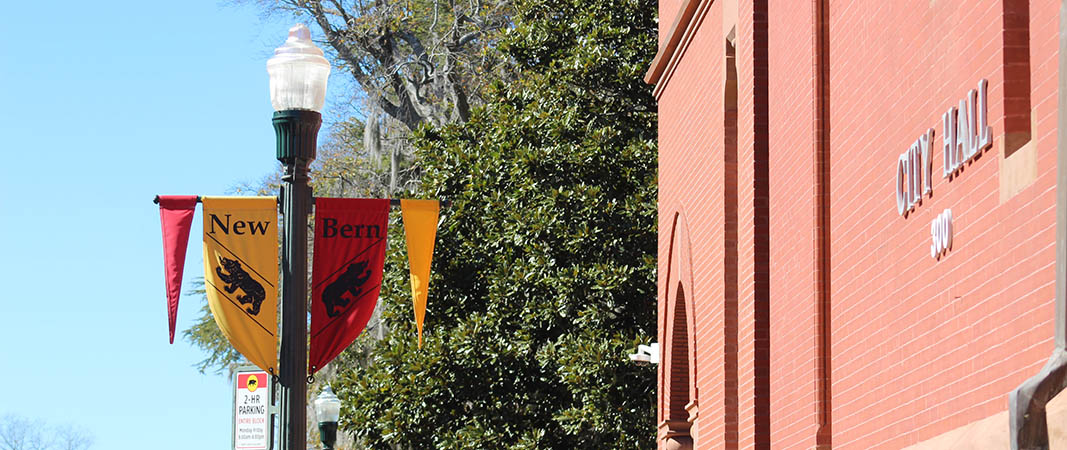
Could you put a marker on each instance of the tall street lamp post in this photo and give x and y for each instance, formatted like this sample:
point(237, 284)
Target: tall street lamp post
point(298, 74)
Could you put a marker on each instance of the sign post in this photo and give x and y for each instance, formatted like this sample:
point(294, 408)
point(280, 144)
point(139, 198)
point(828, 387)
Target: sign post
point(252, 428)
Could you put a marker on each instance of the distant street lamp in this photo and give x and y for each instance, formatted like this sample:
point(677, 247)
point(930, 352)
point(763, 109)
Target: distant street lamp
point(298, 74)
point(328, 410)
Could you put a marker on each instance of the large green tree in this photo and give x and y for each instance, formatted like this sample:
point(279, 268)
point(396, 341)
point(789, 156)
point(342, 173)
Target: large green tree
point(544, 271)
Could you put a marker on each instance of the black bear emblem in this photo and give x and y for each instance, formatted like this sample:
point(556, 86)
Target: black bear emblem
point(333, 296)
point(237, 278)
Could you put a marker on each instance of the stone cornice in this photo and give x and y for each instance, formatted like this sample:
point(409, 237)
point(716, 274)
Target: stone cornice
point(678, 37)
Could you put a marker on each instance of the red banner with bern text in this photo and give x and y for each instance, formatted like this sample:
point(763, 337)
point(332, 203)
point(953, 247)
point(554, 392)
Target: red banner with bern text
point(346, 274)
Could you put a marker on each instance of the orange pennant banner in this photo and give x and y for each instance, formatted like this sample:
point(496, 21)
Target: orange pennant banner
point(420, 231)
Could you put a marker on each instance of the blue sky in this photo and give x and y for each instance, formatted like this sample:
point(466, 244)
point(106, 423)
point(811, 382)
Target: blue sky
point(102, 106)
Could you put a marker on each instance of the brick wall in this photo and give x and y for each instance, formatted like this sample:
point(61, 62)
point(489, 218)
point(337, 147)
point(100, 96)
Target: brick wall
point(921, 346)
point(696, 192)
point(792, 225)
point(753, 200)
point(918, 346)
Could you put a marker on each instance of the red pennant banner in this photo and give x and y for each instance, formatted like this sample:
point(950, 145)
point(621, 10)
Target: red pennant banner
point(176, 215)
point(346, 274)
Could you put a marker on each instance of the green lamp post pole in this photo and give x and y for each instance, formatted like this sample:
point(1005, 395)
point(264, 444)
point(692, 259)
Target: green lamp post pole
point(298, 74)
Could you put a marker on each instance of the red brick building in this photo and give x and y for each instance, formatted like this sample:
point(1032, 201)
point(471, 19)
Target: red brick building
point(857, 215)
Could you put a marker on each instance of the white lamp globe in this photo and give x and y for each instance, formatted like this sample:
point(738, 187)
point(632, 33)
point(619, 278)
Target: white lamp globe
point(298, 73)
point(328, 406)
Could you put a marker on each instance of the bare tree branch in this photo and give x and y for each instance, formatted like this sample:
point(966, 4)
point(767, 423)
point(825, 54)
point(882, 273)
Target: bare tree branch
point(395, 50)
point(20, 433)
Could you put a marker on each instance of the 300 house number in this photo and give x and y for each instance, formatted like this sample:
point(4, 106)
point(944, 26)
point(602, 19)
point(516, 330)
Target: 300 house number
point(941, 234)
point(966, 136)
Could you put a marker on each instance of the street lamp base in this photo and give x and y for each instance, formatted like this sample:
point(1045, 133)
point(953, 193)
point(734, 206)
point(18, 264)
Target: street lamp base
point(297, 132)
point(328, 432)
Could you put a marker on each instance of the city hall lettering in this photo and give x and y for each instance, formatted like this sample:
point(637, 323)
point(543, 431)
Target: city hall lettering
point(239, 227)
point(966, 134)
point(330, 229)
